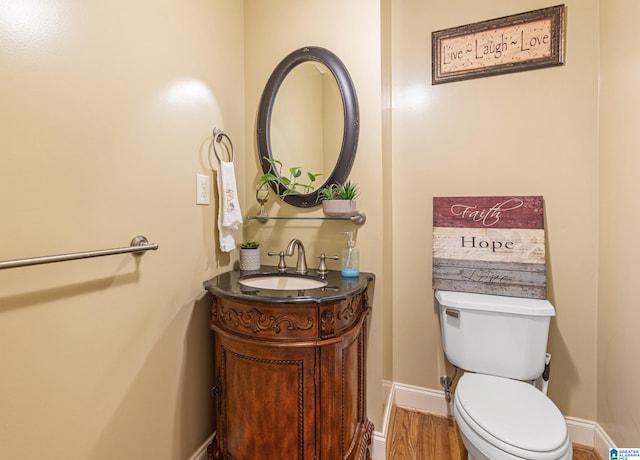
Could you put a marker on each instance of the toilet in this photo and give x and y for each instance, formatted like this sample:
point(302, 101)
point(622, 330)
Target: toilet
point(500, 342)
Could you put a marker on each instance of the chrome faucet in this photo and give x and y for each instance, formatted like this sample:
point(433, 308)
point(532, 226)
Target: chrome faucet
point(301, 264)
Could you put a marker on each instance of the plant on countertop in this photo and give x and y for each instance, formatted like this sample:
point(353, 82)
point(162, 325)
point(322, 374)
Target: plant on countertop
point(287, 185)
point(250, 256)
point(346, 191)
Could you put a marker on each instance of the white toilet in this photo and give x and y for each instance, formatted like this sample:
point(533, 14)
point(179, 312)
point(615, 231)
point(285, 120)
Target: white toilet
point(501, 344)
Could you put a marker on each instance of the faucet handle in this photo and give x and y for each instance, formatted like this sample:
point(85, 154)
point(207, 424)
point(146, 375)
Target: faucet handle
point(322, 269)
point(282, 266)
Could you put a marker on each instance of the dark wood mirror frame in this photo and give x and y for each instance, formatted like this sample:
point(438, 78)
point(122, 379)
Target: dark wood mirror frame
point(347, 154)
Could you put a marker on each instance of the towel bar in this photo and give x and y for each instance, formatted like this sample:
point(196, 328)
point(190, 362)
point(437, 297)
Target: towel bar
point(139, 245)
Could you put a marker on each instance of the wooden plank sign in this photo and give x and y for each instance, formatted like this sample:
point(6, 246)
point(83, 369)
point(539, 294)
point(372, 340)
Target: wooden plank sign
point(490, 245)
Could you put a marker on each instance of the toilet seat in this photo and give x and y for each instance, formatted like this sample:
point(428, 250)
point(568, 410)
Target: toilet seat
point(512, 416)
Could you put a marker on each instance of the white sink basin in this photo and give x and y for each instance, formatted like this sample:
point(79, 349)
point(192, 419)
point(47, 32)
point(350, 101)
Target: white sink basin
point(282, 282)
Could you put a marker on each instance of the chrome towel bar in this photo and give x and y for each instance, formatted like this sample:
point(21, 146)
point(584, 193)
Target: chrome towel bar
point(139, 245)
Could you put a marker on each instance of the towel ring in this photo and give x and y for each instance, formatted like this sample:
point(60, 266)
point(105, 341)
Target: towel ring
point(218, 135)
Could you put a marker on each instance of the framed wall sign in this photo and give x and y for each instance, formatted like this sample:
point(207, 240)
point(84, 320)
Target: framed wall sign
point(515, 43)
point(490, 245)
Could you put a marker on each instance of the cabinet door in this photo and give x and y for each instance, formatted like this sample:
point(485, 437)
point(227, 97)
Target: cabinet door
point(267, 405)
point(345, 429)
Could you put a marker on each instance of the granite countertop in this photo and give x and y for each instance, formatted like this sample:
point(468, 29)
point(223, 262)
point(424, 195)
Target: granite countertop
point(337, 288)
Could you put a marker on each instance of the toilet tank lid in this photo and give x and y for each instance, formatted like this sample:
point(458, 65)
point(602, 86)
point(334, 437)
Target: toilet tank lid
point(495, 303)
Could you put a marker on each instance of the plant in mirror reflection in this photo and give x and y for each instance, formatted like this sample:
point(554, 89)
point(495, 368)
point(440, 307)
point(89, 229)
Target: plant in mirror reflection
point(291, 185)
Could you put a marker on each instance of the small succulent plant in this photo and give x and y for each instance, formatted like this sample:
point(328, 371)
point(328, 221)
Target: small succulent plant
point(346, 191)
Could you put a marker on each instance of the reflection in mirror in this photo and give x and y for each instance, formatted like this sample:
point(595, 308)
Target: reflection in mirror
point(308, 117)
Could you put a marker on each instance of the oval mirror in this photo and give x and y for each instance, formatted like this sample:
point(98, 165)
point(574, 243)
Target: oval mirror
point(308, 118)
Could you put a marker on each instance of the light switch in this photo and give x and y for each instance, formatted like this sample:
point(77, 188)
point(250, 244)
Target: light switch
point(202, 189)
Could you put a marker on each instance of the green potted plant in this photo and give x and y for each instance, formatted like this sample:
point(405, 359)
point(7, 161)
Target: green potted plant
point(339, 200)
point(250, 256)
point(286, 185)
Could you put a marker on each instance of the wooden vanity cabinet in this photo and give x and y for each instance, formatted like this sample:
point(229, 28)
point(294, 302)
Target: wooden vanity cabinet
point(290, 380)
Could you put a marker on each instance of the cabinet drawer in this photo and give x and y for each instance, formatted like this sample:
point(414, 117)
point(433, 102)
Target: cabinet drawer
point(267, 321)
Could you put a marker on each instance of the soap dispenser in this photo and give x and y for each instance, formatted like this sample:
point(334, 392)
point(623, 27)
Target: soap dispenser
point(350, 258)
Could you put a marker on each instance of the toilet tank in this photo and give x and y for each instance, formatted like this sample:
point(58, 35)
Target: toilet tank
point(496, 335)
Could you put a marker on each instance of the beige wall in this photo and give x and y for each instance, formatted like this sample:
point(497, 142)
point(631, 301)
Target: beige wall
point(618, 312)
point(527, 133)
point(105, 114)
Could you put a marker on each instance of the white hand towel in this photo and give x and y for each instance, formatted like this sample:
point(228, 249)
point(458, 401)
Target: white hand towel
point(229, 214)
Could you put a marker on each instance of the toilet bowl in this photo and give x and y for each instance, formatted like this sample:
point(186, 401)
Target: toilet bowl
point(505, 419)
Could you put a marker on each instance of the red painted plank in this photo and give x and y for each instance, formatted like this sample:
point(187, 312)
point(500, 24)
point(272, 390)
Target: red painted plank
point(489, 212)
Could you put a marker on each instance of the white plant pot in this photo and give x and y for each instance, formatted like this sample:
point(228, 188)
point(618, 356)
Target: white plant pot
point(249, 259)
point(339, 208)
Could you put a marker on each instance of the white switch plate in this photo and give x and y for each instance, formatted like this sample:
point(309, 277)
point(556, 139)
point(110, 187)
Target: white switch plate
point(202, 189)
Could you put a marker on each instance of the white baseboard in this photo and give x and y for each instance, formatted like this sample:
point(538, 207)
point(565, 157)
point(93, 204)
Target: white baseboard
point(602, 442)
point(378, 446)
point(583, 432)
point(423, 399)
point(201, 453)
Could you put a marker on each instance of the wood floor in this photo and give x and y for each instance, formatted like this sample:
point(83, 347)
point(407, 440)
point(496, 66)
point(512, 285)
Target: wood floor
point(417, 436)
